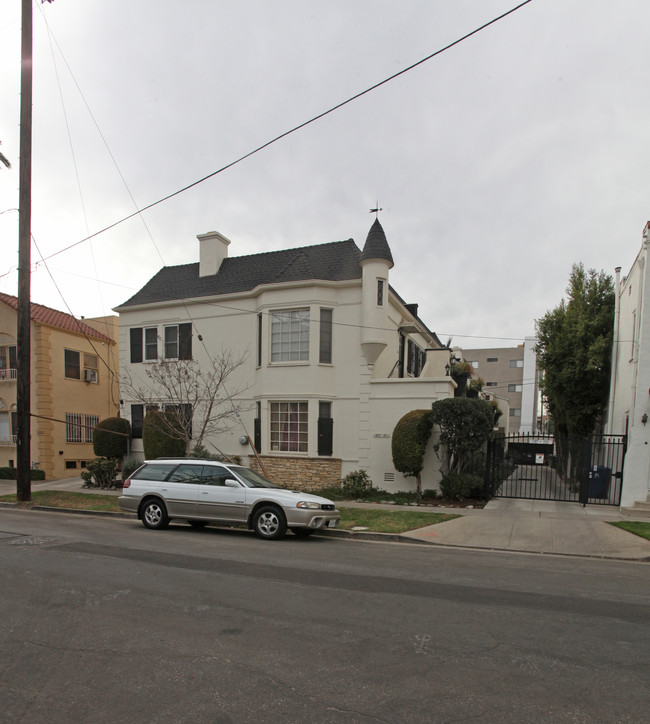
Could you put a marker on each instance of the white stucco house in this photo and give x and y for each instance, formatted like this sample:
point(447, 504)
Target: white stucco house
point(629, 400)
point(335, 356)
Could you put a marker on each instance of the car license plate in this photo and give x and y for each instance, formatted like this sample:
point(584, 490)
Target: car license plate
point(332, 523)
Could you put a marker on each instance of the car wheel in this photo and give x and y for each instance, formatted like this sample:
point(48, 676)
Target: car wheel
point(198, 523)
point(269, 523)
point(302, 532)
point(154, 515)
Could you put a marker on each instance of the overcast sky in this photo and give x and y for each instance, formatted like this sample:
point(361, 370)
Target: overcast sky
point(498, 164)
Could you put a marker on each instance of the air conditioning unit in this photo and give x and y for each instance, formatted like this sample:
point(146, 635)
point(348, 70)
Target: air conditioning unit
point(90, 375)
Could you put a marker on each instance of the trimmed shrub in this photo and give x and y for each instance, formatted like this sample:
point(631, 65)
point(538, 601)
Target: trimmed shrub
point(12, 473)
point(106, 443)
point(457, 486)
point(409, 443)
point(157, 436)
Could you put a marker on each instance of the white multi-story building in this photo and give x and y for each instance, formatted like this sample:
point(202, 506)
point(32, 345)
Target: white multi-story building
point(334, 356)
point(629, 399)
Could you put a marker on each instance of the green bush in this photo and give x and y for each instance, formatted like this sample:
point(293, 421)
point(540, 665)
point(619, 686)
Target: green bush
point(11, 474)
point(111, 437)
point(357, 484)
point(100, 473)
point(457, 486)
point(157, 436)
point(409, 444)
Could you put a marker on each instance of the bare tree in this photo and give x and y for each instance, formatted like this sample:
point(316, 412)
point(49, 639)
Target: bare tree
point(195, 398)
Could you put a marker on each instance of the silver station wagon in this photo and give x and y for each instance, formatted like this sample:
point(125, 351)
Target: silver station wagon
point(205, 491)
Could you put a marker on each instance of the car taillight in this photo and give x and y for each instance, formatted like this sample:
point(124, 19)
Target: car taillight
point(127, 483)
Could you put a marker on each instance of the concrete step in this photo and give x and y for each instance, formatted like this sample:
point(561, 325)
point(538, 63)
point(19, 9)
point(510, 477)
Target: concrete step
point(639, 511)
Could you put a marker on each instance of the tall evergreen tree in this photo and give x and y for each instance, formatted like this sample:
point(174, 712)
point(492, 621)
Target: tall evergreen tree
point(574, 352)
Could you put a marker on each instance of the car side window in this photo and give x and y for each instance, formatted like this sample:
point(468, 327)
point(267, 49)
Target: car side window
point(186, 474)
point(213, 475)
point(155, 471)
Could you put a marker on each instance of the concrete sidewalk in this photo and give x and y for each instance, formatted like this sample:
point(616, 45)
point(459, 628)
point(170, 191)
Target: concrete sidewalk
point(539, 526)
point(505, 524)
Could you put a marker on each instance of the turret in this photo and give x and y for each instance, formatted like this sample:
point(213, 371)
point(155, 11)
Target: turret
point(376, 260)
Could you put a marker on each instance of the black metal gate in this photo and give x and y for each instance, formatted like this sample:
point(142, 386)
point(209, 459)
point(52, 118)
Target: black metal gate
point(541, 467)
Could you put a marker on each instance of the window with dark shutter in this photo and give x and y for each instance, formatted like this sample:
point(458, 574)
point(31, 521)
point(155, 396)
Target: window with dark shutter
point(135, 335)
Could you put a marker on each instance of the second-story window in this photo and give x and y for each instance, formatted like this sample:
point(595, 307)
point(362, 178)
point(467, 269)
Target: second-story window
point(290, 335)
point(72, 362)
point(8, 362)
point(325, 346)
point(178, 341)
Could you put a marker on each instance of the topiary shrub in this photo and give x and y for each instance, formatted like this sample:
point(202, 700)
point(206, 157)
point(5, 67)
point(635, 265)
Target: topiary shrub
point(409, 443)
point(357, 484)
point(158, 438)
point(111, 437)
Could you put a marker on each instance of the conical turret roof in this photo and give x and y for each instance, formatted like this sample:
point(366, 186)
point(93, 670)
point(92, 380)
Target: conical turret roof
point(376, 246)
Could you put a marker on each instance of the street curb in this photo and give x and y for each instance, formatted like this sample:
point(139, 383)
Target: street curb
point(361, 536)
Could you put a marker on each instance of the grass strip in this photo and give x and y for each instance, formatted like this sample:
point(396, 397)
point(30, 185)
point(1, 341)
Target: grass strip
point(377, 521)
point(389, 521)
point(636, 527)
point(68, 499)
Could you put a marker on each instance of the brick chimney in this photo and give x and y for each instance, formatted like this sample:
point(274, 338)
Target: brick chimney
point(213, 249)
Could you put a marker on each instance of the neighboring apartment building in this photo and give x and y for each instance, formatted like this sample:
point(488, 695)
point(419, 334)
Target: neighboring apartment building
point(629, 399)
point(74, 385)
point(335, 357)
point(511, 372)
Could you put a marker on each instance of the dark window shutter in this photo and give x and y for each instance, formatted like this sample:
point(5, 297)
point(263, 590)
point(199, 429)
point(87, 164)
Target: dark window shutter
point(257, 434)
point(401, 355)
point(325, 435)
point(136, 344)
point(185, 341)
point(137, 417)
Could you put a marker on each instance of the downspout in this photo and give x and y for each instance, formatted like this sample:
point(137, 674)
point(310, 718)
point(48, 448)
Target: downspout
point(615, 350)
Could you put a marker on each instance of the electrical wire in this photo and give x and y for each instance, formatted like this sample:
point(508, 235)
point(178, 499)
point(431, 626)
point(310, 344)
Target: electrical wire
point(296, 128)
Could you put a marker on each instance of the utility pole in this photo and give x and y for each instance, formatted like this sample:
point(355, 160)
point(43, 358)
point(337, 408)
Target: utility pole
point(23, 397)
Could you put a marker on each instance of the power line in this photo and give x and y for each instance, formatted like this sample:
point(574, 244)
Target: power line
point(297, 128)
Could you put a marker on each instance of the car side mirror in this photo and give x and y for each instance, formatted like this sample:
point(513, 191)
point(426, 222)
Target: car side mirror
point(230, 483)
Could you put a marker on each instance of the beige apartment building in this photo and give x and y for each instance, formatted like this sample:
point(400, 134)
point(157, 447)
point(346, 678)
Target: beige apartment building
point(74, 385)
point(511, 372)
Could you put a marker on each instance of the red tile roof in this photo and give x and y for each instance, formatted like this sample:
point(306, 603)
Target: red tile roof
point(54, 318)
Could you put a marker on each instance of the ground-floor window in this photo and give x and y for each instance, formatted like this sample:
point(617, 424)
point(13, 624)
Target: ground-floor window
point(79, 427)
point(289, 427)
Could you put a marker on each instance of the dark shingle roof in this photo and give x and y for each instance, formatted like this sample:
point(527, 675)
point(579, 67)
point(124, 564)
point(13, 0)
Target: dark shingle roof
point(376, 246)
point(335, 261)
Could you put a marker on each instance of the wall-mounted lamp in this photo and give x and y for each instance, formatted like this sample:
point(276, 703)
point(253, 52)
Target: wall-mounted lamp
point(644, 418)
point(243, 440)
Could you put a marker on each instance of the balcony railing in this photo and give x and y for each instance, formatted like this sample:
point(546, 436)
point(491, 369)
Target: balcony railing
point(8, 441)
point(9, 374)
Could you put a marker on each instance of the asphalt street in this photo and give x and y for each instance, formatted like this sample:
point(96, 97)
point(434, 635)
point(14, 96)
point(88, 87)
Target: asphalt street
point(104, 620)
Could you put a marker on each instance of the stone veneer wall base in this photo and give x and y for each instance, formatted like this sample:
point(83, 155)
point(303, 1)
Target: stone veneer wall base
point(300, 473)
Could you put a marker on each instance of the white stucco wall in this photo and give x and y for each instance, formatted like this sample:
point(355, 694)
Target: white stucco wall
point(630, 393)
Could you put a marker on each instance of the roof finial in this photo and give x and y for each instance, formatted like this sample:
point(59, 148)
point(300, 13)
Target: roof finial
point(376, 210)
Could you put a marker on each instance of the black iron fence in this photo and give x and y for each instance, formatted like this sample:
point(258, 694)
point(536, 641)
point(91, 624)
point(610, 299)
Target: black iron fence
point(542, 467)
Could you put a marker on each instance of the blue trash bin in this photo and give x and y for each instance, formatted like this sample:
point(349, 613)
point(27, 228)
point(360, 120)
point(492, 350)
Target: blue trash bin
point(599, 482)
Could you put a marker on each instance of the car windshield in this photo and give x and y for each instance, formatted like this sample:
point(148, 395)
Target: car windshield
point(252, 479)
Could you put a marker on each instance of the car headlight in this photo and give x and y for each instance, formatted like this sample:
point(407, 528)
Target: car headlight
point(308, 504)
